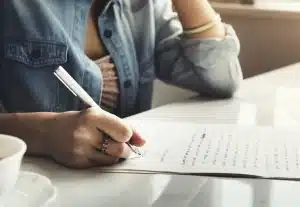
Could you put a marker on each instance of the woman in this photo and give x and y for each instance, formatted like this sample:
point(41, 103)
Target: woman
point(114, 49)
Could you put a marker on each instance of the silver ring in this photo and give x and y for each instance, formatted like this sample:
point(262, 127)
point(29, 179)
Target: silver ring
point(104, 145)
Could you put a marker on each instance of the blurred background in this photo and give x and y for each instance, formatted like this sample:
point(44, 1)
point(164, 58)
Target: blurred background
point(269, 32)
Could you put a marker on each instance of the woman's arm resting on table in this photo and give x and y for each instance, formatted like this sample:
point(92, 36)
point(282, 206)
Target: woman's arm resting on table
point(31, 127)
point(73, 138)
point(206, 62)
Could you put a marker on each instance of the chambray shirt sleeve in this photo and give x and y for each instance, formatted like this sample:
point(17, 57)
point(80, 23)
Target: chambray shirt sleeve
point(208, 66)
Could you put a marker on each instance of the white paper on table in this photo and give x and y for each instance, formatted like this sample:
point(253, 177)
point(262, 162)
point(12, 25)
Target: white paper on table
point(286, 107)
point(187, 148)
point(208, 112)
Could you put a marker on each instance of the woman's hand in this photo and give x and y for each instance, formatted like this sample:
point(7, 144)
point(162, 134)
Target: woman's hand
point(110, 90)
point(75, 138)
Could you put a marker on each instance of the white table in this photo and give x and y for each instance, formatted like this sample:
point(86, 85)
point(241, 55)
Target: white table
point(268, 99)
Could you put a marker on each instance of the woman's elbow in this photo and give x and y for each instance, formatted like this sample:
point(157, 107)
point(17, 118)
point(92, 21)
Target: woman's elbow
point(229, 90)
point(224, 81)
point(220, 92)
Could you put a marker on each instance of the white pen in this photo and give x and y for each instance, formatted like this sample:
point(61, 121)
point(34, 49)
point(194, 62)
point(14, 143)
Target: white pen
point(78, 91)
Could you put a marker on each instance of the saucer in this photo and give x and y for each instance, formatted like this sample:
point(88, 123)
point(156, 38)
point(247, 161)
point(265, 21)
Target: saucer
point(31, 190)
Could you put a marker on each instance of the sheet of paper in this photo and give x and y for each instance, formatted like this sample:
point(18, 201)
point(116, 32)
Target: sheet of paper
point(286, 107)
point(217, 112)
point(187, 148)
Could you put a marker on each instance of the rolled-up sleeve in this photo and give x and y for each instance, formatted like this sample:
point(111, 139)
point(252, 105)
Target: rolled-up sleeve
point(205, 65)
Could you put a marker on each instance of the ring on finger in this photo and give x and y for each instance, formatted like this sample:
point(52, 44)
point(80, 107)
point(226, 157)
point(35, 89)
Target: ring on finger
point(104, 145)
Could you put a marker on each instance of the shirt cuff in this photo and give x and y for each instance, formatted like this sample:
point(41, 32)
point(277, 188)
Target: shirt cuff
point(215, 47)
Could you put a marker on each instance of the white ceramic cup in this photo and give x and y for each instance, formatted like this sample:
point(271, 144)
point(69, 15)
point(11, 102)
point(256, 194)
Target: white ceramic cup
point(12, 150)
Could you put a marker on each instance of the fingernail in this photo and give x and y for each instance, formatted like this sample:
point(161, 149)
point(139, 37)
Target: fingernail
point(143, 141)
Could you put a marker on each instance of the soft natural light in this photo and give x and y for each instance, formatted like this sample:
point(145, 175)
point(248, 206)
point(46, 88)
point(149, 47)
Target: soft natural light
point(283, 5)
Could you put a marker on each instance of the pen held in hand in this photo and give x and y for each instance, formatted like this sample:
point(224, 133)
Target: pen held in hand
point(64, 77)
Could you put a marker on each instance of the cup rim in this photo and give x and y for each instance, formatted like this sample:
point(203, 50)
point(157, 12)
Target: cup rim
point(18, 153)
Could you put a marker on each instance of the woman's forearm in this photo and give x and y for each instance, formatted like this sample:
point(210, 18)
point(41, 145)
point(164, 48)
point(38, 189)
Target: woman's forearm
point(30, 127)
point(195, 13)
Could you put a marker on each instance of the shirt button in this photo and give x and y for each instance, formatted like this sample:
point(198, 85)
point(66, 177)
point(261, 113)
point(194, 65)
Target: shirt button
point(36, 53)
point(107, 33)
point(127, 84)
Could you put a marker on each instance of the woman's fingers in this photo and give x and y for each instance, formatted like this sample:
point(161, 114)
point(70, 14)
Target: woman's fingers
point(109, 147)
point(137, 139)
point(110, 124)
point(116, 149)
point(100, 159)
point(118, 131)
point(121, 150)
point(105, 59)
point(110, 155)
point(107, 66)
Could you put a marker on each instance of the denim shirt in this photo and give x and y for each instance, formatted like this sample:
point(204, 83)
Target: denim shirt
point(143, 37)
